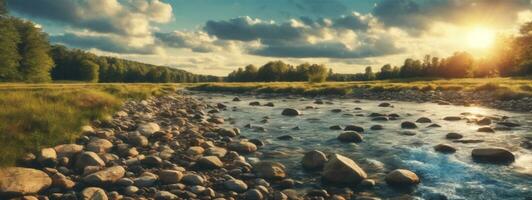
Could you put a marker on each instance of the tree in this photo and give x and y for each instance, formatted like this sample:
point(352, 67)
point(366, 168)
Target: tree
point(386, 72)
point(460, 65)
point(250, 73)
point(9, 56)
point(317, 73)
point(89, 71)
point(368, 74)
point(272, 71)
point(34, 48)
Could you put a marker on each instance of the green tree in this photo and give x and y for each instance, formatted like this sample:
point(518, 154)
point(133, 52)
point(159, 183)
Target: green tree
point(368, 74)
point(272, 71)
point(9, 56)
point(89, 71)
point(317, 73)
point(34, 48)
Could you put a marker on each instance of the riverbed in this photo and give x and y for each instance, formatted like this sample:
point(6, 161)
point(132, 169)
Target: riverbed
point(443, 176)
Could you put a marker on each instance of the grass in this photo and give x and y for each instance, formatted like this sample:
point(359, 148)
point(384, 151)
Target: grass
point(503, 88)
point(33, 116)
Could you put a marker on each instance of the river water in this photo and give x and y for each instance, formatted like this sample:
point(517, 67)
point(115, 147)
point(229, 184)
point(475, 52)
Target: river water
point(451, 176)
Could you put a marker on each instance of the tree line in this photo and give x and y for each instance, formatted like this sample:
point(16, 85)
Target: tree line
point(27, 56)
point(279, 71)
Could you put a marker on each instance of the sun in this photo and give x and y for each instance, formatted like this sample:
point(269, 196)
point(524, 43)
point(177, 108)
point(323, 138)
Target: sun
point(480, 38)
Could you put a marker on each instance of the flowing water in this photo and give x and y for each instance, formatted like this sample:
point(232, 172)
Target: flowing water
point(454, 176)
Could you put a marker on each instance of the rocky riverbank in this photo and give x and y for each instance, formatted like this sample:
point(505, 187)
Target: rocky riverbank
point(177, 147)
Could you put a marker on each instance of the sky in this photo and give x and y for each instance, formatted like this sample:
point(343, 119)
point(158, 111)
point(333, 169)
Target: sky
point(217, 36)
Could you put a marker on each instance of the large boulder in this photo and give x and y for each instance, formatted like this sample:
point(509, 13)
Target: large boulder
point(408, 125)
point(18, 181)
point(148, 128)
point(402, 177)
point(314, 160)
point(47, 157)
point(493, 155)
point(350, 136)
point(342, 170)
point(105, 177)
point(242, 147)
point(270, 170)
point(290, 112)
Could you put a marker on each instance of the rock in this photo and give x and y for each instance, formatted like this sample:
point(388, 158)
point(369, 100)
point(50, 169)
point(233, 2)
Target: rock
point(148, 128)
point(47, 157)
point(453, 136)
point(270, 170)
point(227, 132)
point(452, 118)
point(486, 129)
point(94, 193)
point(138, 140)
point(484, 121)
point(105, 177)
point(379, 119)
point(99, 146)
point(242, 147)
point(401, 177)
point(165, 195)
point(350, 136)
point(494, 155)
point(68, 150)
point(88, 159)
point(468, 141)
point(146, 179)
point(408, 125)
point(254, 103)
point(216, 151)
point(221, 106)
point(269, 104)
point(384, 104)
point(368, 183)
point(290, 112)
point(131, 190)
point(408, 133)
point(170, 176)
point(253, 194)
point(354, 128)
point(152, 161)
point(434, 126)
point(209, 162)
point(235, 185)
point(342, 170)
point(18, 181)
point(376, 127)
point(61, 181)
point(195, 150)
point(336, 110)
point(278, 195)
point(314, 160)
point(285, 137)
point(193, 179)
point(444, 148)
point(87, 130)
point(236, 99)
point(336, 127)
point(508, 124)
point(423, 120)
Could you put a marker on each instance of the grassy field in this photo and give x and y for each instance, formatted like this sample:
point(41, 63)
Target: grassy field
point(505, 88)
point(33, 116)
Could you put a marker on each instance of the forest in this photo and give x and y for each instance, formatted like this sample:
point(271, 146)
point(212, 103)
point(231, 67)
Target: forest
point(27, 56)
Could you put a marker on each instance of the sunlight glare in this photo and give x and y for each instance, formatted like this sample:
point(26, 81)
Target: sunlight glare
point(480, 38)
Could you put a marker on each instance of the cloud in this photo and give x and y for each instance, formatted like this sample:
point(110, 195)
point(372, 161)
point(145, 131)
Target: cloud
point(109, 43)
point(418, 16)
point(320, 7)
point(344, 37)
point(196, 41)
point(127, 24)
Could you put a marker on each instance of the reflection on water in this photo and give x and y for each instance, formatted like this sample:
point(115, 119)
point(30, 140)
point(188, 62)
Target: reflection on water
point(454, 176)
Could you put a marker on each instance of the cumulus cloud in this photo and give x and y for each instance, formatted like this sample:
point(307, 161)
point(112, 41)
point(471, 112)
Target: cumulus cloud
point(344, 37)
point(418, 16)
point(196, 41)
point(132, 19)
point(110, 43)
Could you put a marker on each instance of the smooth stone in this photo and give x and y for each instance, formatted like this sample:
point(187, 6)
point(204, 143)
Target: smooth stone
point(105, 177)
point(336, 127)
point(486, 129)
point(402, 177)
point(285, 137)
point(354, 128)
point(193, 179)
point(444, 148)
point(88, 158)
point(342, 170)
point(94, 193)
point(165, 195)
point(452, 118)
point(484, 121)
point(453, 136)
point(99, 145)
point(170, 176)
point(494, 155)
point(423, 120)
point(313, 160)
point(350, 137)
point(290, 112)
point(270, 170)
point(227, 132)
point(253, 194)
point(235, 185)
point(18, 181)
point(148, 129)
point(408, 125)
point(376, 127)
point(146, 179)
point(68, 150)
point(385, 104)
point(209, 162)
point(242, 147)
